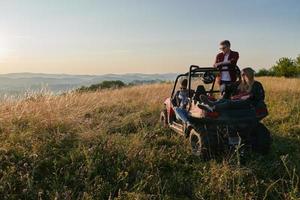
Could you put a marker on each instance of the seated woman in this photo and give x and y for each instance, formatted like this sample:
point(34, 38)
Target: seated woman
point(180, 102)
point(249, 91)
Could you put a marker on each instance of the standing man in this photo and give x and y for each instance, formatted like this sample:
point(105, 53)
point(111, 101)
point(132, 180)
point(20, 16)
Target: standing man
point(227, 56)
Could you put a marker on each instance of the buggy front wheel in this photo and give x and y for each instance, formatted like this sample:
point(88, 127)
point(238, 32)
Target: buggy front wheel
point(163, 119)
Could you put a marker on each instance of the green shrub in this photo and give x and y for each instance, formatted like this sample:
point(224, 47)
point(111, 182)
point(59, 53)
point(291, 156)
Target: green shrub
point(286, 67)
point(102, 85)
point(264, 72)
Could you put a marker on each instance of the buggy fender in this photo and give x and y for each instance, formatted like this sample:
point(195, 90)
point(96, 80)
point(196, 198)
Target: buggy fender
point(169, 107)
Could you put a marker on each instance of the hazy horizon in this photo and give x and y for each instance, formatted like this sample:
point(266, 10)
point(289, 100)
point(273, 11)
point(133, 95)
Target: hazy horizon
point(16, 84)
point(139, 36)
point(125, 73)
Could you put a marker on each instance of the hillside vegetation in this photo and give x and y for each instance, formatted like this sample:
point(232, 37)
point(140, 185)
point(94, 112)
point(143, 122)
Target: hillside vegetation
point(286, 67)
point(101, 86)
point(109, 145)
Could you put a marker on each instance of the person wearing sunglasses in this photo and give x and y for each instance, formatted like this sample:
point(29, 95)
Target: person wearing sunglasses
point(226, 56)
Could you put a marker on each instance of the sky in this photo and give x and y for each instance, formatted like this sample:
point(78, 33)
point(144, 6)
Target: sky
point(143, 36)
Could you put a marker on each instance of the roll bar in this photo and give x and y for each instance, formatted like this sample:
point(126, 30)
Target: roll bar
point(195, 70)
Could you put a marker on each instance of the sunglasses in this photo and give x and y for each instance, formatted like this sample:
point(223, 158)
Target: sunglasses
point(223, 48)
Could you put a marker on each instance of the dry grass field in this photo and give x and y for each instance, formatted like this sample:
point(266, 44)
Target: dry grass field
point(109, 145)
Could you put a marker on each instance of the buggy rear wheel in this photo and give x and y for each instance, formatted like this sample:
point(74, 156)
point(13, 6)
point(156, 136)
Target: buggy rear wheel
point(261, 139)
point(163, 119)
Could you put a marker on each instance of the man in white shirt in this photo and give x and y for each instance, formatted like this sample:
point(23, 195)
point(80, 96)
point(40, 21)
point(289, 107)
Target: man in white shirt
point(227, 56)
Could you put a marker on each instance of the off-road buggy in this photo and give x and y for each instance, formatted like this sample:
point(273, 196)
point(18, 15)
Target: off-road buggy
point(214, 132)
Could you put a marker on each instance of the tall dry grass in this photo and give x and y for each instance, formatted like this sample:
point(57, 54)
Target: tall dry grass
point(108, 144)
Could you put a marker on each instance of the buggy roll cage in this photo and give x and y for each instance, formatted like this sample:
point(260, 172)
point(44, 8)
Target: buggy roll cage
point(196, 71)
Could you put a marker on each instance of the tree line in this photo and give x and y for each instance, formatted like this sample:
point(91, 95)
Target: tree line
point(114, 85)
point(102, 85)
point(286, 67)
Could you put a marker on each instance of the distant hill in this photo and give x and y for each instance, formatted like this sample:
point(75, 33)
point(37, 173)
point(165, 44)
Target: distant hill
point(18, 83)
